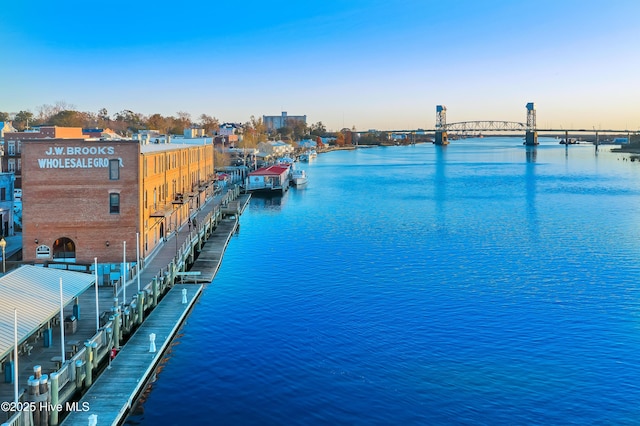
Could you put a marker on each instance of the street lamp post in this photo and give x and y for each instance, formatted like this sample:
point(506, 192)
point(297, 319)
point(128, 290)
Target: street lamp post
point(3, 245)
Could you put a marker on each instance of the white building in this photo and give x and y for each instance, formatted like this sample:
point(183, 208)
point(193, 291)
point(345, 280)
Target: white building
point(275, 148)
point(228, 129)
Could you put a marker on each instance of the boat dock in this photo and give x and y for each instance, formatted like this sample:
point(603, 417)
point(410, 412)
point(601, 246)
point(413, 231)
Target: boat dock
point(209, 258)
point(150, 303)
point(113, 393)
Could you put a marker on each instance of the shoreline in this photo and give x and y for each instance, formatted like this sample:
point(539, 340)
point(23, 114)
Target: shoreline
point(627, 150)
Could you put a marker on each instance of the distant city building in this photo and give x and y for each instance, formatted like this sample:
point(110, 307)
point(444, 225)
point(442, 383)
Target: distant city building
point(275, 148)
point(101, 133)
point(228, 129)
point(194, 132)
point(6, 203)
point(12, 155)
point(113, 189)
point(223, 142)
point(308, 143)
point(6, 126)
point(275, 122)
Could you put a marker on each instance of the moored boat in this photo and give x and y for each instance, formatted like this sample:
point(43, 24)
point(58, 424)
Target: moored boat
point(298, 177)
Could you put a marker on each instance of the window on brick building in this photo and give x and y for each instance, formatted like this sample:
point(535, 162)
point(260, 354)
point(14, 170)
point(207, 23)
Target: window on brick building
point(12, 165)
point(114, 169)
point(114, 203)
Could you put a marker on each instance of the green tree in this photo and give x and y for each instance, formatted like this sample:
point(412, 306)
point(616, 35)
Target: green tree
point(299, 128)
point(23, 120)
point(318, 129)
point(129, 122)
point(285, 132)
point(103, 118)
point(4, 116)
point(68, 118)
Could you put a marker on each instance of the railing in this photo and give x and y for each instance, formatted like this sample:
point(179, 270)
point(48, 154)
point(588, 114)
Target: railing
point(67, 374)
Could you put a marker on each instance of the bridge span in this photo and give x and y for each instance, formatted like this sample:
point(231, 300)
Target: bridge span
point(442, 128)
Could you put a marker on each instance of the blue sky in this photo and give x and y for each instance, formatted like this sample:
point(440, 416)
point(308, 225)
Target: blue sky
point(368, 64)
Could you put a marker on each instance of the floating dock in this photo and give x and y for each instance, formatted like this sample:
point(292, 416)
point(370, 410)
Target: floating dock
point(114, 392)
point(210, 256)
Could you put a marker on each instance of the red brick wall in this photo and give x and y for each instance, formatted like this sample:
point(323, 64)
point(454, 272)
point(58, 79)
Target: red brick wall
point(73, 202)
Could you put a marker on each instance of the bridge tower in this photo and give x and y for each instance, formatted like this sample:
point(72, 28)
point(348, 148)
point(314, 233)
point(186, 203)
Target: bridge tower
point(441, 125)
point(531, 135)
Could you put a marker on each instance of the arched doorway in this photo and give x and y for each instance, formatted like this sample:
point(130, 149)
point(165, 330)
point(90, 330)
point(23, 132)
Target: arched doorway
point(64, 250)
point(161, 230)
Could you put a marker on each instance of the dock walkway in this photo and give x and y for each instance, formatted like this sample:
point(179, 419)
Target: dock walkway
point(45, 357)
point(210, 257)
point(115, 390)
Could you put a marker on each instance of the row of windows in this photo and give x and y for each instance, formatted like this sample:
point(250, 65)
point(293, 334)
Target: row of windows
point(164, 162)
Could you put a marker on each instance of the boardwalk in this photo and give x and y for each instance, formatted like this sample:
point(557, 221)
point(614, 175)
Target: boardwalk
point(208, 262)
point(47, 357)
point(210, 257)
point(115, 390)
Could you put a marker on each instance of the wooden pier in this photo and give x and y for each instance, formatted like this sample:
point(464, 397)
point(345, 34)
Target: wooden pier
point(209, 258)
point(154, 305)
point(113, 393)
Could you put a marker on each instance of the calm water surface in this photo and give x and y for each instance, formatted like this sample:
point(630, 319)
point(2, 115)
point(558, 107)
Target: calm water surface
point(478, 283)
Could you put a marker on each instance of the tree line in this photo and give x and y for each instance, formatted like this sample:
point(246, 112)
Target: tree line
point(127, 122)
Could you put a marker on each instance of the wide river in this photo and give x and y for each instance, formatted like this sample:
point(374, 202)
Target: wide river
point(478, 283)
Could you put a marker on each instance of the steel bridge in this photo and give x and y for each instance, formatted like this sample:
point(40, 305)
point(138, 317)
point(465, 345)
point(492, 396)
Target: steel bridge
point(485, 126)
point(529, 127)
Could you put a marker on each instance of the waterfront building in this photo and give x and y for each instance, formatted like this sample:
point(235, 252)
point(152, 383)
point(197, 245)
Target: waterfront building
point(307, 144)
point(85, 198)
point(275, 122)
point(275, 148)
point(270, 178)
point(12, 155)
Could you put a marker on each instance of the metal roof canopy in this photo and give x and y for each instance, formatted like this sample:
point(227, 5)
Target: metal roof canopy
point(35, 292)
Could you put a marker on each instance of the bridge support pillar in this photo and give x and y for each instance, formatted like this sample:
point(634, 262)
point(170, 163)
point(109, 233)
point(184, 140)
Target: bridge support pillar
point(441, 138)
point(531, 138)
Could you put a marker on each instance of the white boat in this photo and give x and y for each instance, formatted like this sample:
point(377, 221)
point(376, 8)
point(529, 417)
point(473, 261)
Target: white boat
point(298, 177)
point(308, 155)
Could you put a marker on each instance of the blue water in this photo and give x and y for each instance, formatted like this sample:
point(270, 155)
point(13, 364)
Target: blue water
point(480, 283)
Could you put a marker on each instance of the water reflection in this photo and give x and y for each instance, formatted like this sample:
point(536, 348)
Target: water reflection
point(530, 188)
point(440, 194)
point(270, 201)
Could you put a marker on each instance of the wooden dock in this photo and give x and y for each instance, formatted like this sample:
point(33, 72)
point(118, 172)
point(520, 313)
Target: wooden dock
point(209, 259)
point(115, 390)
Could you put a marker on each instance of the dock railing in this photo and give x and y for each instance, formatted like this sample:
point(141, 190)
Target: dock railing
point(76, 373)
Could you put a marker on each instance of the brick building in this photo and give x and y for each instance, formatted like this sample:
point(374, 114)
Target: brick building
point(83, 198)
point(12, 156)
